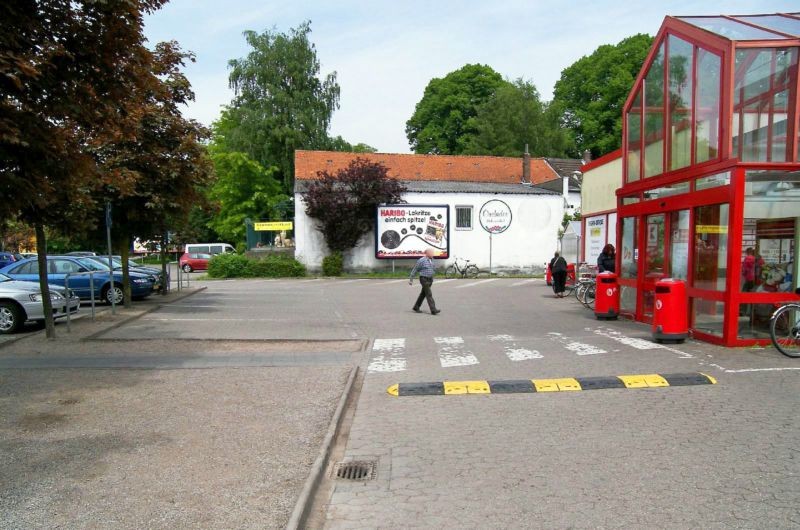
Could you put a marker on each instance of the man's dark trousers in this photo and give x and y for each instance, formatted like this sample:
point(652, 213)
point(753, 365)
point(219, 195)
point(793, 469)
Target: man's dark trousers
point(425, 294)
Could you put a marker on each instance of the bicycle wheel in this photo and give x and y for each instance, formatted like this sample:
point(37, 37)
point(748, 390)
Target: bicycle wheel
point(450, 272)
point(784, 330)
point(471, 271)
point(579, 290)
point(588, 297)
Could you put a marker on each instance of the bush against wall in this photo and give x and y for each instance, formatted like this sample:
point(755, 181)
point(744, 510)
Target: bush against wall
point(332, 265)
point(238, 266)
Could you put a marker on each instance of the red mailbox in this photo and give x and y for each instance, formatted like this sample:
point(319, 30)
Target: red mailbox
point(606, 296)
point(670, 320)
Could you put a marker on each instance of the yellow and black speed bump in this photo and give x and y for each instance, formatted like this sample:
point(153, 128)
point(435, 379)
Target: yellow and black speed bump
point(565, 384)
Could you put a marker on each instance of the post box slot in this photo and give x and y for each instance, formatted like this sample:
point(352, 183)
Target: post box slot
point(662, 289)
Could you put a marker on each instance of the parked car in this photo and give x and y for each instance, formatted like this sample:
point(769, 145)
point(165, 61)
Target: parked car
point(81, 253)
point(6, 258)
point(21, 302)
point(193, 261)
point(209, 248)
point(116, 262)
point(79, 282)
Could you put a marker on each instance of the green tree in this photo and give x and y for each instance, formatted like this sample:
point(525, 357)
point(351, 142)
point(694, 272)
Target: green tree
point(69, 72)
point(591, 92)
point(338, 143)
point(441, 120)
point(281, 104)
point(244, 189)
point(514, 117)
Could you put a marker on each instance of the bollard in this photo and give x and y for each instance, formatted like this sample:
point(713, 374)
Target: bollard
point(66, 294)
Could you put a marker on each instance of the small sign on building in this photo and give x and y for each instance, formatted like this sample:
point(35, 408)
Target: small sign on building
point(273, 226)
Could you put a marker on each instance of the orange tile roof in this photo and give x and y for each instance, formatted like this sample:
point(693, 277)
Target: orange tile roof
point(493, 169)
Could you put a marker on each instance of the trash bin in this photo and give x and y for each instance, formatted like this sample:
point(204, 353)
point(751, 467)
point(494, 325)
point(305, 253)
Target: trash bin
point(670, 320)
point(606, 296)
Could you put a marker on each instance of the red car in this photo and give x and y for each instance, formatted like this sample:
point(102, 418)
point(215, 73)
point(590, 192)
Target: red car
point(193, 261)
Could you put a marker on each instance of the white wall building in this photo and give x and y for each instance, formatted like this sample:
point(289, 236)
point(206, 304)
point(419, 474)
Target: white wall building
point(527, 244)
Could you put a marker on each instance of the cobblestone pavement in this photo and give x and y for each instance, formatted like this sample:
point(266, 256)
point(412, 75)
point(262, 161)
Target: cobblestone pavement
point(721, 456)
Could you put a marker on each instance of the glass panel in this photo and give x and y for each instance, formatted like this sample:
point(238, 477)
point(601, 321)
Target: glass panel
point(627, 300)
point(630, 199)
point(666, 191)
point(679, 244)
point(713, 181)
point(770, 233)
point(731, 29)
point(630, 249)
point(711, 246)
point(707, 107)
point(654, 117)
point(464, 217)
point(708, 316)
point(681, 68)
point(766, 81)
point(754, 320)
point(635, 138)
point(654, 256)
point(776, 22)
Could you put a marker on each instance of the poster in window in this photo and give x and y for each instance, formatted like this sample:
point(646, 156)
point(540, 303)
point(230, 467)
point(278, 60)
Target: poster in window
point(595, 238)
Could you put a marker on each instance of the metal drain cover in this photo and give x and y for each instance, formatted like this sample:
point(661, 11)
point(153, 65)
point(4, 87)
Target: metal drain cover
point(358, 470)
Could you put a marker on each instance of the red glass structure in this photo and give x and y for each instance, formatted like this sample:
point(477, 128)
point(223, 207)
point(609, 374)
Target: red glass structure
point(711, 164)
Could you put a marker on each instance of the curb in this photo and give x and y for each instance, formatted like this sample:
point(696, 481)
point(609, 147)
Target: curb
point(301, 508)
point(566, 384)
point(147, 311)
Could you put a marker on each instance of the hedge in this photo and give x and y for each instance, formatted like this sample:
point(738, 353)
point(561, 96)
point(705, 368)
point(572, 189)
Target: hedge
point(238, 266)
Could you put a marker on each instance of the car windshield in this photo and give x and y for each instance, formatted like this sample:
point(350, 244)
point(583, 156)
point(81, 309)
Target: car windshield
point(93, 265)
point(4, 278)
point(103, 261)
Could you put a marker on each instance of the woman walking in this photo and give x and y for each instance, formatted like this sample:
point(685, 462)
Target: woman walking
point(558, 268)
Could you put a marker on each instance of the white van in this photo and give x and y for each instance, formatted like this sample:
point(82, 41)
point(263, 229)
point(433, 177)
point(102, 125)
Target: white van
point(209, 248)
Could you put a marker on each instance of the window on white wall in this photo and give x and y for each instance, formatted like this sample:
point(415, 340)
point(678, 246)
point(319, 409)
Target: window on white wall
point(463, 217)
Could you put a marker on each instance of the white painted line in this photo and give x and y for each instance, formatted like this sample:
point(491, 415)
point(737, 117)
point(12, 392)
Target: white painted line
point(388, 356)
point(351, 281)
point(479, 282)
point(452, 352)
point(743, 370)
point(394, 281)
point(576, 347)
point(639, 344)
point(212, 319)
point(511, 350)
point(437, 282)
point(517, 284)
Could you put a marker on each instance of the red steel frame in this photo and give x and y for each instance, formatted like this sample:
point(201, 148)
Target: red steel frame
point(733, 194)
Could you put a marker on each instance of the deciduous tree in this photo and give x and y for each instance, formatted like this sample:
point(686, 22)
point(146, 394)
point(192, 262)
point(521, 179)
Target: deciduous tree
point(591, 92)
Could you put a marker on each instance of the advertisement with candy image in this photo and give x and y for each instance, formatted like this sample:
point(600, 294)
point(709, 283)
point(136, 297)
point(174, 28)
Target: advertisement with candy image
point(407, 230)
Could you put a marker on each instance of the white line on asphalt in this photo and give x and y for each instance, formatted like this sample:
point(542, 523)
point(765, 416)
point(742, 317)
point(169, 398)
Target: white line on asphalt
point(212, 319)
point(479, 282)
point(437, 282)
point(352, 281)
point(639, 344)
point(523, 282)
point(743, 370)
point(452, 352)
point(574, 346)
point(513, 352)
point(388, 356)
point(394, 281)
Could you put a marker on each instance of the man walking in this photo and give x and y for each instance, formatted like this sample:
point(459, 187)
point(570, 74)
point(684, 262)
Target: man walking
point(426, 270)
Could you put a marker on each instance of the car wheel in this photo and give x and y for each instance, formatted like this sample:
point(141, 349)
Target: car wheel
point(187, 268)
point(116, 293)
point(11, 317)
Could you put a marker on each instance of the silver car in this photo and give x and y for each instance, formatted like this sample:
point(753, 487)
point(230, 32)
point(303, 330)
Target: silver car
point(21, 302)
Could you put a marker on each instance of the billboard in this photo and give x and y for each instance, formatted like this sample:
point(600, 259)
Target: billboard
point(595, 238)
point(407, 230)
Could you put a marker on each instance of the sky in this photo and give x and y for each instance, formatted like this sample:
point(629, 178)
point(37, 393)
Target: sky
point(385, 52)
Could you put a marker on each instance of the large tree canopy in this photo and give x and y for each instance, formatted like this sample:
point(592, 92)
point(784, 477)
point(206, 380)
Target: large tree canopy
point(515, 117)
point(591, 92)
point(441, 120)
point(281, 102)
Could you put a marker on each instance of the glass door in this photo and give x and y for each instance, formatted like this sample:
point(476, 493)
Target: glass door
point(654, 261)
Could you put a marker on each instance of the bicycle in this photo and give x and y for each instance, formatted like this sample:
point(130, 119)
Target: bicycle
point(462, 270)
point(784, 328)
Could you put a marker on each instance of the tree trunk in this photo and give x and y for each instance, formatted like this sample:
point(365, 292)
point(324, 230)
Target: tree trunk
point(44, 285)
point(165, 284)
point(124, 243)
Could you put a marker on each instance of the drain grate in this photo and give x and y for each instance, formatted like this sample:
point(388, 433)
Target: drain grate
point(360, 470)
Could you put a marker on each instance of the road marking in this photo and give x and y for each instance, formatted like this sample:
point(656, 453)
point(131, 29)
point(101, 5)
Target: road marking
point(393, 281)
point(479, 282)
point(437, 282)
point(524, 282)
point(639, 344)
point(511, 350)
point(342, 282)
point(576, 347)
point(452, 352)
point(388, 356)
point(564, 384)
point(212, 319)
point(743, 370)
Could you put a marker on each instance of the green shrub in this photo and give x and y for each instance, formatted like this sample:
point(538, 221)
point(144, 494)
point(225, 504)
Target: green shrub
point(229, 266)
point(332, 264)
point(276, 266)
point(241, 247)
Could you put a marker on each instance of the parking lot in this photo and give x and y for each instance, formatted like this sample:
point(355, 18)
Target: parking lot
point(719, 455)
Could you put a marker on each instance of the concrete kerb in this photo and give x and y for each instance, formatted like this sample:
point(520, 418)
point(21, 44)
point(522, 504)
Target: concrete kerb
point(7, 341)
point(301, 509)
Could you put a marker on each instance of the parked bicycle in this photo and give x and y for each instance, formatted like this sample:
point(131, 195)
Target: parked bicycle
point(784, 328)
point(461, 268)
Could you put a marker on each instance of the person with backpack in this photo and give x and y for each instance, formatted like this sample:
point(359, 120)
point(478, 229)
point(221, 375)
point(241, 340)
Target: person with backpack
point(558, 269)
